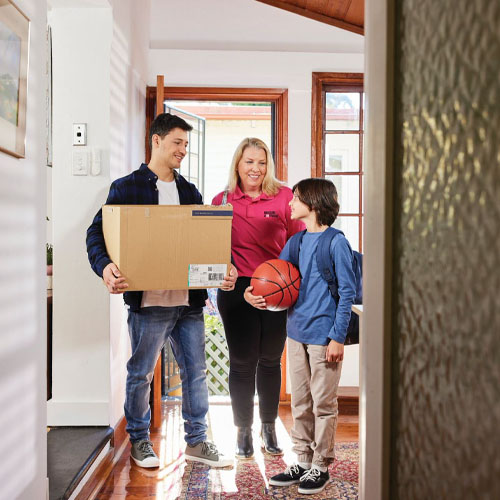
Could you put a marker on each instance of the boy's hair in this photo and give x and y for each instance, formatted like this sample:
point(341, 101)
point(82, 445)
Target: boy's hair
point(164, 123)
point(320, 196)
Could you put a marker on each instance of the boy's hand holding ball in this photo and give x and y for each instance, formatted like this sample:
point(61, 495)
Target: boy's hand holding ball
point(254, 300)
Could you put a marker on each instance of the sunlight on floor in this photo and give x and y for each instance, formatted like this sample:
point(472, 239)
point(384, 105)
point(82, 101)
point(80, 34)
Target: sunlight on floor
point(177, 479)
point(224, 435)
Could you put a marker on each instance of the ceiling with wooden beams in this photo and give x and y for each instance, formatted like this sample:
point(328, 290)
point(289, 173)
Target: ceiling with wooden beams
point(345, 14)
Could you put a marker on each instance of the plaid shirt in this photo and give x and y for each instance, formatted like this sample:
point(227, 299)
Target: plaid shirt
point(137, 188)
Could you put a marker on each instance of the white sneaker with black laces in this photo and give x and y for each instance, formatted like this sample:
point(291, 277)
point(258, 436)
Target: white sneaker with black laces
point(207, 453)
point(313, 481)
point(143, 454)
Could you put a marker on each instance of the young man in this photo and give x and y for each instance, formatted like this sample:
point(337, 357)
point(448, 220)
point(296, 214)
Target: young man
point(157, 316)
point(316, 329)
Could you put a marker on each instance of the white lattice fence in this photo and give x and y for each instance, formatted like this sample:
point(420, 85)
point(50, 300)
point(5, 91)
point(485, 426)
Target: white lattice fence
point(217, 357)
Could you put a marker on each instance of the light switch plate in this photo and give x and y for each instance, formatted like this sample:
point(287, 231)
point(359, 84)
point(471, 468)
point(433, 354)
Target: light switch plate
point(80, 162)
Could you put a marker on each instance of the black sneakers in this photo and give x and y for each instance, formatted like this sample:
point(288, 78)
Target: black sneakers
point(292, 475)
point(313, 481)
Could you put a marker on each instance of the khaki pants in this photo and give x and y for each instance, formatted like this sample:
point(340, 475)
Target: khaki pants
point(314, 402)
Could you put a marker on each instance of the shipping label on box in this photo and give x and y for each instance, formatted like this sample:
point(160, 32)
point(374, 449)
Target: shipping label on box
point(206, 275)
point(169, 247)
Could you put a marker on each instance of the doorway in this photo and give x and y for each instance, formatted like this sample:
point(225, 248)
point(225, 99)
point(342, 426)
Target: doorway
point(220, 118)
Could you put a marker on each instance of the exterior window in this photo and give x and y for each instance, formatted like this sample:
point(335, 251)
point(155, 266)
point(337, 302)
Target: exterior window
point(337, 145)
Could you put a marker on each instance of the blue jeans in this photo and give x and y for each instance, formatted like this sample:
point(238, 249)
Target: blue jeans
point(149, 329)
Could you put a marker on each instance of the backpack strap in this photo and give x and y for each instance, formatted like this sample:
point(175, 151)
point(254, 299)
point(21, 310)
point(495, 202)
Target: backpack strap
point(294, 247)
point(325, 263)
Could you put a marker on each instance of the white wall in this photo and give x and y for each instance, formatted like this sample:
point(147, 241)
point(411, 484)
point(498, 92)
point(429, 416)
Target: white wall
point(81, 75)
point(291, 70)
point(23, 469)
point(95, 55)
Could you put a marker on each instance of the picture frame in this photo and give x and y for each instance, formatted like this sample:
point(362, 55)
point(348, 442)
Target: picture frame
point(14, 57)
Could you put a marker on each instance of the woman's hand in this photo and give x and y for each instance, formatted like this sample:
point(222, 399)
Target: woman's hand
point(334, 352)
point(254, 300)
point(230, 280)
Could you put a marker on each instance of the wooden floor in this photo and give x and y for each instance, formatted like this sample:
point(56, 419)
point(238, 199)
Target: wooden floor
point(133, 483)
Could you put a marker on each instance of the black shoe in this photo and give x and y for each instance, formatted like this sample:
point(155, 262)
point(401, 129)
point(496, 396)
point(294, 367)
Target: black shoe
point(313, 481)
point(291, 475)
point(269, 440)
point(244, 443)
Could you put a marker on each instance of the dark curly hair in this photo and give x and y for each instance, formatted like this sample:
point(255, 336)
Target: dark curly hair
point(165, 123)
point(320, 196)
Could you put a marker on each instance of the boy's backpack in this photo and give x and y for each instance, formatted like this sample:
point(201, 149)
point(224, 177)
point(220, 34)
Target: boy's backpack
point(327, 271)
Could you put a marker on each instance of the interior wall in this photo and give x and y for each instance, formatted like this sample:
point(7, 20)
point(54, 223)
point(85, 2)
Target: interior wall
point(446, 343)
point(22, 289)
point(291, 70)
point(81, 76)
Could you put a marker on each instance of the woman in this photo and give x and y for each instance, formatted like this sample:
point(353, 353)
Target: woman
point(261, 226)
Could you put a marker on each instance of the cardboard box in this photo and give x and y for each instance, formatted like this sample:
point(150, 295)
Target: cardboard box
point(169, 247)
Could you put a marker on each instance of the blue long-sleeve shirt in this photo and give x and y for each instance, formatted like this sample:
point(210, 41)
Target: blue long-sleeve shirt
point(316, 318)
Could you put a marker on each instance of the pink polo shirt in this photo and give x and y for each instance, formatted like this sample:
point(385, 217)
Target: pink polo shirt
point(261, 227)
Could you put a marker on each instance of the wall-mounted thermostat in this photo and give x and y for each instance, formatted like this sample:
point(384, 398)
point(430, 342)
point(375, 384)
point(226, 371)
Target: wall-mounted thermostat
point(79, 134)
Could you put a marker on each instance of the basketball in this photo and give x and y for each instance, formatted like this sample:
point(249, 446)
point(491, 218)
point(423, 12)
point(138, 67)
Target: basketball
point(278, 281)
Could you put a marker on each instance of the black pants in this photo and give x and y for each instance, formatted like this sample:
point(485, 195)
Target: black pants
point(256, 340)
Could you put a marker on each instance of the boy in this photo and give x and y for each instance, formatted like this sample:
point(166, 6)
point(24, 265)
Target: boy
point(316, 327)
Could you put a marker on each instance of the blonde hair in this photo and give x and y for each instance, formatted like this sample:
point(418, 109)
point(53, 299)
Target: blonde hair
point(270, 184)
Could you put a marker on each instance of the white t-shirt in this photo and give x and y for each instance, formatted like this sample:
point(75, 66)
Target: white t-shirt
point(167, 195)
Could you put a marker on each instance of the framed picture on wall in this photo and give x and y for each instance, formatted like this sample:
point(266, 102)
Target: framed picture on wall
point(14, 47)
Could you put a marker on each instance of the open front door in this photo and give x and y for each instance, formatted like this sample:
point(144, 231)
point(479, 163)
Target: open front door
point(193, 166)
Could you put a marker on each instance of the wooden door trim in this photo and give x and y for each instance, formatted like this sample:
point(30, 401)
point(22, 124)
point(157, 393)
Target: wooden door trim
point(156, 382)
point(278, 96)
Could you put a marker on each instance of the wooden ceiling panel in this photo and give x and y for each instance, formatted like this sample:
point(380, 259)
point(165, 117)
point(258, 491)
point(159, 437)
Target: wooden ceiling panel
point(325, 7)
point(345, 14)
point(337, 8)
point(356, 13)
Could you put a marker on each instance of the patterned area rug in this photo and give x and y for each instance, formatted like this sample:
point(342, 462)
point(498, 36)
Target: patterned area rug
point(248, 480)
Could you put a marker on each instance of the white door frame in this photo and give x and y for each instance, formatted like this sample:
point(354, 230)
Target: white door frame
point(375, 344)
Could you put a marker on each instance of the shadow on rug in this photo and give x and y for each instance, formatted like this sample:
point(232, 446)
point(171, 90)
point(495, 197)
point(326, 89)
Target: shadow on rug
point(249, 480)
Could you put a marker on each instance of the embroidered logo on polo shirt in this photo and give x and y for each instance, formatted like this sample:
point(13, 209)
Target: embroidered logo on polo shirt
point(270, 213)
